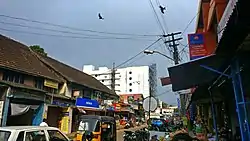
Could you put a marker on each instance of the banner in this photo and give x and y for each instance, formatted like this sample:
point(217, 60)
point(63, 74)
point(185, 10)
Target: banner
point(51, 84)
point(197, 47)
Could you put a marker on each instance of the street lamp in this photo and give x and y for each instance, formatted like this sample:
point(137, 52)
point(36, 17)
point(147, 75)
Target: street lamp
point(155, 51)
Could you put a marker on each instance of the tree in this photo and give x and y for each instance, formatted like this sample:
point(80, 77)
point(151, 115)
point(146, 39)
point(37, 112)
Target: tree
point(38, 50)
point(164, 105)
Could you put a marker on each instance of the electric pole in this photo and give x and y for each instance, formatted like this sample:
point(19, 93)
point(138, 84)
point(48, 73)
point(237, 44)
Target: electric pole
point(113, 78)
point(174, 45)
point(176, 57)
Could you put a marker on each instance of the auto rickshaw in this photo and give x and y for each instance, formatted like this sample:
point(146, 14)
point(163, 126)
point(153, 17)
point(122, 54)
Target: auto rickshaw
point(96, 128)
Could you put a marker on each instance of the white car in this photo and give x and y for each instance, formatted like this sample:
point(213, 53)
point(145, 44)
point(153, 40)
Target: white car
point(31, 133)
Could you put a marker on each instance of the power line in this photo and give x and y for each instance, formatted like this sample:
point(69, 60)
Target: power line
point(71, 28)
point(137, 54)
point(157, 18)
point(140, 57)
point(190, 22)
point(60, 31)
point(64, 36)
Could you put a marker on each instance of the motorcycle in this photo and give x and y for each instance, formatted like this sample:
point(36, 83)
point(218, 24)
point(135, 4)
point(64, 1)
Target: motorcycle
point(129, 136)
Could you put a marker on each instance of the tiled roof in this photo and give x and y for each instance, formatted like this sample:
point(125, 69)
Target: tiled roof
point(18, 57)
point(76, 76)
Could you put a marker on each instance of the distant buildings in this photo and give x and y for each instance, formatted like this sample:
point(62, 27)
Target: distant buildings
point(129, 80)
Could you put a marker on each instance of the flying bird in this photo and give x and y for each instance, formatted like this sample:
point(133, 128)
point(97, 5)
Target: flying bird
point(100, 16)
point(162, 9)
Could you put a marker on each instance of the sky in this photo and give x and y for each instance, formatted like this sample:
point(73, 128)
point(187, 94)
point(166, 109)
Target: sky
point(80, 46)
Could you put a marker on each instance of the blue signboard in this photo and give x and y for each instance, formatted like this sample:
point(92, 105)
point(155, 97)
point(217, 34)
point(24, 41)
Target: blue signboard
point(84, 102)
point(178, 103)
point(196, 39)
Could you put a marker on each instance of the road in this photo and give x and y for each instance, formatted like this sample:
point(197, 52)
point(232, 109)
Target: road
point(120, 133)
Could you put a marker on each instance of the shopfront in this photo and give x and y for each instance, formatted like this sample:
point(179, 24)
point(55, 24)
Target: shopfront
point(22, 107)
point(59, 114)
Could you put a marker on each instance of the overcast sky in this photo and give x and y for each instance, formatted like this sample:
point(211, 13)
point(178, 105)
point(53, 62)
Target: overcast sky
point(120, 16)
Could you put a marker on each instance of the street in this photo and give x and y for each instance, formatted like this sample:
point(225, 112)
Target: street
point(121, 132)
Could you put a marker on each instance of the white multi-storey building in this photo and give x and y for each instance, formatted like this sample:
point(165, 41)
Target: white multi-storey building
point(130, 80)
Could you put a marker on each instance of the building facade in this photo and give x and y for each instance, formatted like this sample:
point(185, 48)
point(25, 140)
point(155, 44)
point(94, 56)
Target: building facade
point(33, 87)
point(129, 80)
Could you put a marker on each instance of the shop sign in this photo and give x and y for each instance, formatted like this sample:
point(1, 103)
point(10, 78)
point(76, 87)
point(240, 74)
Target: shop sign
point(225, 17)
point(58, 103)
point(197, 47)
point(51, 84)
point(84, 102)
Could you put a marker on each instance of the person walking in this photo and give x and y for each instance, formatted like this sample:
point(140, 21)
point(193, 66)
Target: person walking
point(44, 123)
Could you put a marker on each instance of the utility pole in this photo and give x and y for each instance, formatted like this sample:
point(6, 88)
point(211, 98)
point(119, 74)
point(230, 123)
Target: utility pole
point(174, 45)
point(113, 78)
point(176, 57)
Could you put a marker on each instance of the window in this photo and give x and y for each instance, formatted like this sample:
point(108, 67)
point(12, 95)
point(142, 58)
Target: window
point(130, 72)
point(130, 78)
point(130, 84)
point(20, 136)
point(96, 75)
point(39, 83)
point(130, 90)
point(13, 77)
point(55, 135)
point(102, 80)
point(105, 76)
point(4, 135)
point(50, 90)
point(97, 128)
point(35, 136)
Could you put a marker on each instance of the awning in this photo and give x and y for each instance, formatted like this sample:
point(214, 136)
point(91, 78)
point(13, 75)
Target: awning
point(232, 28)
point(192, 74)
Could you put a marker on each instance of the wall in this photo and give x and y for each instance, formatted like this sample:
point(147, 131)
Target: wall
point(1, 75)
point(29, 80)
point(130, 80)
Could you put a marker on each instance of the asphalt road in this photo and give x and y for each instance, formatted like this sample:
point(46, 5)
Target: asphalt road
point(120, 133)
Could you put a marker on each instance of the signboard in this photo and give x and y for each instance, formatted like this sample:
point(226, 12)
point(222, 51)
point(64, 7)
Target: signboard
point(165, 81)
point(225, 17)
point(197, 47)
point(84, 102)
point(51, 84)
point(59, 103)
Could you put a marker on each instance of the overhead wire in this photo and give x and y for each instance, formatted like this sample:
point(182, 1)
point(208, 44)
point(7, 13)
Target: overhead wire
point(53, 30)
point(157, 18)
point(133, 57)
point(71, 28)
point(184, 30)
point(66, 36)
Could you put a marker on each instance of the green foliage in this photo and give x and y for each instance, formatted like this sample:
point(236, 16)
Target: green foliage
point(38, 49)
point(164, 105)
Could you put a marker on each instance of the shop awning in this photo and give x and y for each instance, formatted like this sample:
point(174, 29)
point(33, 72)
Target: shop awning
point(192, 74)
point(232, 28)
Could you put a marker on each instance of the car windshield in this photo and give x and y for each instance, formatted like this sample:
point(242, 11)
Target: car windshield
point(4, 135)
point(87, 125)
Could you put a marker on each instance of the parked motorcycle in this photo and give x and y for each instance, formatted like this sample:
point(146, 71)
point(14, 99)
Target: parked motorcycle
point(139, 135)
point(129, 136)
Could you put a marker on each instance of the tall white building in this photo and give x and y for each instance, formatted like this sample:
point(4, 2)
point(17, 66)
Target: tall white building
point(130, 80)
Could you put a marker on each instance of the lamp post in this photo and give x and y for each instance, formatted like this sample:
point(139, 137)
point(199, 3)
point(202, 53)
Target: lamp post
point(148, 52)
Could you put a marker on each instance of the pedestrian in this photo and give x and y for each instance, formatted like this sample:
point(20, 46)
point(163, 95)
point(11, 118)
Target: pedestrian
point(44, 123)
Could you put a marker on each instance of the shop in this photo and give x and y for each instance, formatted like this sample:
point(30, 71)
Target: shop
point(59, 114)
point(22, 105)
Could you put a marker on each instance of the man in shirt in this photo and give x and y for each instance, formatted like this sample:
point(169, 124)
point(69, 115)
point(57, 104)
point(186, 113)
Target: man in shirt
point(44, 123)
